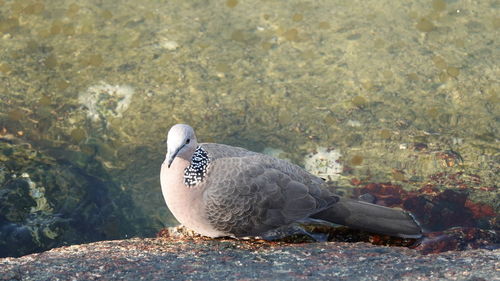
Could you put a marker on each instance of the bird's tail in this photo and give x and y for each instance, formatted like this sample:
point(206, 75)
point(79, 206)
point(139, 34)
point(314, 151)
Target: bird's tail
point(372, 218)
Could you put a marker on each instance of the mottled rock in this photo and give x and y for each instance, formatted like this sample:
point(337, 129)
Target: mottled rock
point(210, 259)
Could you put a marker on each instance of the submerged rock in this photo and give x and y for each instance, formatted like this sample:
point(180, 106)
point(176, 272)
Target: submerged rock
point(324, 163)
point(104, 100)
point(47, 203)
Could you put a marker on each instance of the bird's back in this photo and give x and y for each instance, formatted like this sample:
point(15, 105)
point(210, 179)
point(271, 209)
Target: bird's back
point(218, 153)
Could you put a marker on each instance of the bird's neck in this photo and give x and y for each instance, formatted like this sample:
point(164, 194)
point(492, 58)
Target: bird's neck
point(197, 169)
point(190, 167)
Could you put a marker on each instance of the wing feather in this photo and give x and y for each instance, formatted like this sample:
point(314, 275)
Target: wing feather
point(253, 193)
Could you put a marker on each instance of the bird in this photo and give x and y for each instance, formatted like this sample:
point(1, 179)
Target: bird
point(218, 190)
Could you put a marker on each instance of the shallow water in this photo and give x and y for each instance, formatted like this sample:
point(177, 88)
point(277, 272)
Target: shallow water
point(405, 93)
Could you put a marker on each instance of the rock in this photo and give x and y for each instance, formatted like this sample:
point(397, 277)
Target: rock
point(216, 259)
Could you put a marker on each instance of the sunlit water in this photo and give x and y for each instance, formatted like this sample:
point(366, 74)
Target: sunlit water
point(405, 92)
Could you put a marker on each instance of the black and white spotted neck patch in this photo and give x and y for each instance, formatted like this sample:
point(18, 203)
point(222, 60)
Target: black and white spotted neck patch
point(197, 170)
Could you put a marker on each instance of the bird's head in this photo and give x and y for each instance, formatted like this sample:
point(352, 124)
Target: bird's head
point(181, 142)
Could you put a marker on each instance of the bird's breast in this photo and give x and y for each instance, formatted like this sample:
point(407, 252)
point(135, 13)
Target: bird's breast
point(185, 202)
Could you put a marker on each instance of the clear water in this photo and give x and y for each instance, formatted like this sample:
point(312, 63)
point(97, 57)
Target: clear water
point(405, 91)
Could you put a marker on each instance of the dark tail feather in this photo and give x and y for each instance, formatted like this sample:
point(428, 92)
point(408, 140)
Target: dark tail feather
point(372, 218)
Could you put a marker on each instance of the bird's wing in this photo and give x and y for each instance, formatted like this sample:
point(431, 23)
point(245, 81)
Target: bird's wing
point(249, 195)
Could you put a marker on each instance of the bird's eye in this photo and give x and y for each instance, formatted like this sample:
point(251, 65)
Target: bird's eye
point(187, 141)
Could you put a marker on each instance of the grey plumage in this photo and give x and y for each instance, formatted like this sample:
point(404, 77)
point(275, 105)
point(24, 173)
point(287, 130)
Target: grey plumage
point(243, 193)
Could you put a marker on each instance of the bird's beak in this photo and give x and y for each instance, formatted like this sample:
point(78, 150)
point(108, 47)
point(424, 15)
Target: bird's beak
point(171, 156)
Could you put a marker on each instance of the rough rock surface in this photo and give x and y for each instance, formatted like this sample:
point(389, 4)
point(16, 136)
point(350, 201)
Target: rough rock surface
point(208, 259)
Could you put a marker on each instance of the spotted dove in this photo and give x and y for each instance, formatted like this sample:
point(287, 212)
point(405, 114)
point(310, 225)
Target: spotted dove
point(220, 190)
